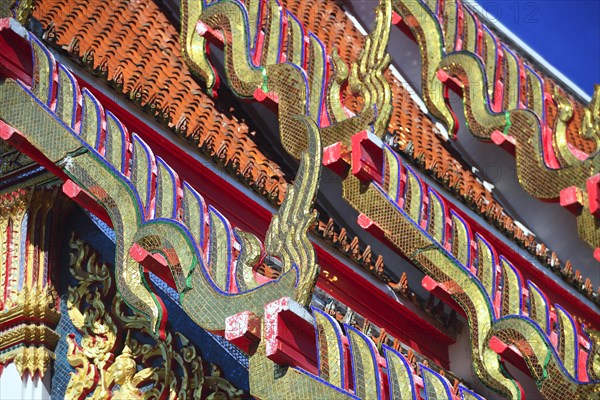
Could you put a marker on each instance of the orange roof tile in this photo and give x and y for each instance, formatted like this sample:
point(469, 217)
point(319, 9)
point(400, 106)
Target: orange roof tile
point(414, 133)
point(333, 27)
point(136, 49)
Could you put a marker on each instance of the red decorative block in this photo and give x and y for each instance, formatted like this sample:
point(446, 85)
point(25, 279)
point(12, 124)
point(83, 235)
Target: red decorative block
point(153, 262)
point(441, 292)
point(243, 330)
point(571, 199)
point(269, 100)
point(506, 142)
point(593, 190)
point(85, 200)
point(452, 83)
point(290, 335)
point(15, 54)
point(367, 157)
point(336, 157)
point(509, 353)
point(371, 227)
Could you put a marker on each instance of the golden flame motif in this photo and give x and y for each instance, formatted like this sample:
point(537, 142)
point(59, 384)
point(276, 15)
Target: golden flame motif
point(169, 368)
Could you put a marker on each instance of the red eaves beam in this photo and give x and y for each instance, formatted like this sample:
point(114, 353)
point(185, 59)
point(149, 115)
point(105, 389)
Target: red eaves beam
point(15, 55)
point(351, 288)
point(555, 291)
point(549, 283)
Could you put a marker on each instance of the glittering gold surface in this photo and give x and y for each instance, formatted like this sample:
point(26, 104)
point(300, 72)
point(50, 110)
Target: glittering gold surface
point(475, 68)
point(399, 376)
point(474, 296)
point(183, 237)
point(331, 359)
point(100, 162)
point(28, 309)
point(299, 91)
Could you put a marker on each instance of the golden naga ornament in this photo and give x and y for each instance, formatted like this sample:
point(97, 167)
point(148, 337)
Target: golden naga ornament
point(257, 71)
point(506, 98)
point(403, 229)
point(197, 243)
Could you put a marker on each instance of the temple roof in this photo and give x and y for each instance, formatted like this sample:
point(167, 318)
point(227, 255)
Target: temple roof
point(135, 49)
point(135, 63)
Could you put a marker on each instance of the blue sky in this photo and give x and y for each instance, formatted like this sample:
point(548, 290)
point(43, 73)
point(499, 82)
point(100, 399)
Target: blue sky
point(565, 32)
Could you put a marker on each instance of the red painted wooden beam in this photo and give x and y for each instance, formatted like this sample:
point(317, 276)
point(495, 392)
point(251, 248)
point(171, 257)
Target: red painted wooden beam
point(15, 55)
point(367, 157)
point(85, 200)
point(289, 335)
point(243, 330)
point(509, 354)
point(442, 293)
point(154, 263)
point(506, 142)
point(571, 199)
point(386, 310)
point(336, 157)
point(20, 142)
point(245, 213)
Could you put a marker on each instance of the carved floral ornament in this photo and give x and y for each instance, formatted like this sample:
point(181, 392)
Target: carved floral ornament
point(553, 368)
point(117, 356)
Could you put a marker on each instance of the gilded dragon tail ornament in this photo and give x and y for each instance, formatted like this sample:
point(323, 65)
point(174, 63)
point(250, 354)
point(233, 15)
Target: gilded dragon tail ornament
point(506, 98)
point(156, 213)
point(255, 69)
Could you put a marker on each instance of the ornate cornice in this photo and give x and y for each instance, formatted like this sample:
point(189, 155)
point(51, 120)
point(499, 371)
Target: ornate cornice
point(506, 100)
point(31, 305)
point(29, 310)
point(30, 360)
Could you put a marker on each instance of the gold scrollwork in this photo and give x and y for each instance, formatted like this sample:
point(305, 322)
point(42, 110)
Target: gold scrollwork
point(169, 368)
point(472, 61)
point(299, 91)
point(29, 310)
point(117, 354)
point(473, 296)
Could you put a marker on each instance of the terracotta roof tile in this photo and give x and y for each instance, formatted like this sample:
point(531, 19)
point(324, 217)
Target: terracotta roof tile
point(136, 49)
point(332, 26)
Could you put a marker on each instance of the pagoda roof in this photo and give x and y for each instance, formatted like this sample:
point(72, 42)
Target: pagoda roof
point(149, 70)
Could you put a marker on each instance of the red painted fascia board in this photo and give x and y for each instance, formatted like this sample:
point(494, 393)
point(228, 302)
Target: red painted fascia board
point(362, 296)
point(15, 55)
point(241, 210)
point(548, 284)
